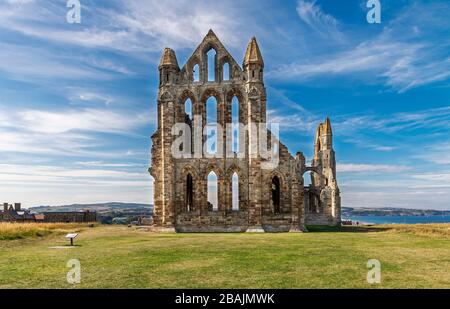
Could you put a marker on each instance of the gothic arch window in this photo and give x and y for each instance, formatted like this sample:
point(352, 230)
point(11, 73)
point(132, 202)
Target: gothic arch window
point(189, 193)
point(211, 125)
point(196, 73)
point(276, 194)
point(188, 108)
point(235, 192)
point(235, 124)
point(213, 196)
point(226, 71)
point(211, 60)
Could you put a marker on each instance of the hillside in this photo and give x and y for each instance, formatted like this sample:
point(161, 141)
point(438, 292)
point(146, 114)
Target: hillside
point(101, 208)
point(116, 207)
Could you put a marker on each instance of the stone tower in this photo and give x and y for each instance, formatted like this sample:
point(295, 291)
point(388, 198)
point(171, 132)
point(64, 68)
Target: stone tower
point(324, 203)
point(250, 192)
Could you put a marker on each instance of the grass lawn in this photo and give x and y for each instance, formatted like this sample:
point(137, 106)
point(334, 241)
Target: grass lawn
point(119, 257)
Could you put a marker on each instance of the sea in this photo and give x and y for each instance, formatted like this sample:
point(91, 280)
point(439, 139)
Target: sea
point(399, 219)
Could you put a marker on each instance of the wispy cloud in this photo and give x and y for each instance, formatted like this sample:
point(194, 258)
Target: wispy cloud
point(106, 164)
point(395, 57)
point(80, 185)
point(69, 132)
point(433, 118)
point(30, 64)
point(437, 153)
point(138, 25)
point(313, 16)
point(94, 120)
point(364, 168)
point(408, 190)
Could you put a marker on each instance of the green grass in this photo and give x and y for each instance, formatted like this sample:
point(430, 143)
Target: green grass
point(11, 231)
point(121, 257)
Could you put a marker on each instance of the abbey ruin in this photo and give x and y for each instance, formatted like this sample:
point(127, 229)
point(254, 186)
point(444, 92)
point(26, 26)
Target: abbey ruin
point(250, 193)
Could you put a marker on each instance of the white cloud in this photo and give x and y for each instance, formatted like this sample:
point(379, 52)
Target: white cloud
point(364, 168)
point(69, 132)
point(31, 64)
point(85, 120)
point(438, 153)
point(17, 2)
point(437, 177)
point(324, 24)
point(404, 191)
point(55, 185)
point(92, 96)
point(433, 118)
point(400, 57)
point(292, 121)
point(138, 25)
point(396, 63)
point(105, 164)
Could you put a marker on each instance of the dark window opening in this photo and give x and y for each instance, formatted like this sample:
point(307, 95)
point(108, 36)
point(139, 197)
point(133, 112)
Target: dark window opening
point(276, 195)
point(189, 192)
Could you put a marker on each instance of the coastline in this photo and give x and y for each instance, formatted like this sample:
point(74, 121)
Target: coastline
point(382, 220)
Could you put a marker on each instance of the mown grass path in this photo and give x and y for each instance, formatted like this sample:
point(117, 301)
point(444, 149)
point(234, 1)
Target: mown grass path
point(121, 257)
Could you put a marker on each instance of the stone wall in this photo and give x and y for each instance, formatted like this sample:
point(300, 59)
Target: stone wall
point(69, 217)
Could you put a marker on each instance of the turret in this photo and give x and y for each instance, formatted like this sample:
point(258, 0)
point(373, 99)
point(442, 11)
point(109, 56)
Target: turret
point(253, 62)
point(327, 135)
point(324, 156)
point(325, 180)
point(168, 67)
point(324, 138)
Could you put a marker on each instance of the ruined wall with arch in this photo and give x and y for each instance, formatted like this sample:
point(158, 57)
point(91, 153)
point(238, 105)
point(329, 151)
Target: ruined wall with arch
point(181, 184)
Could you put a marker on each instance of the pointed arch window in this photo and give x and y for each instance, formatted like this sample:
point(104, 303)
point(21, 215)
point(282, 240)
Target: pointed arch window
point(276, 194)
point(213, 200)
point(188, 108)
point(196, 73)
point(211, 125)
point(235, 191)
point(189, 193)
point(211, 59)
point(235, 124)
point(226, 71)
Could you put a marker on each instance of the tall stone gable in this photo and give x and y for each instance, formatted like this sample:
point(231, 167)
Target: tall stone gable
point(270, 200)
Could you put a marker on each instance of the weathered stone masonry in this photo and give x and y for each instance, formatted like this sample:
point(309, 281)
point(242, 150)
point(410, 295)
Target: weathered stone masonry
point(269, 199)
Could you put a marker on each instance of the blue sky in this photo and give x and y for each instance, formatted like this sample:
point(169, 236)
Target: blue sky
point(77, 101)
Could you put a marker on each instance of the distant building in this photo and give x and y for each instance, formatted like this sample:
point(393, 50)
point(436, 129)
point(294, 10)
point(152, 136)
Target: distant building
point(39, 217)
point(14, 213)
point(70, 216)
point(145, 221)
